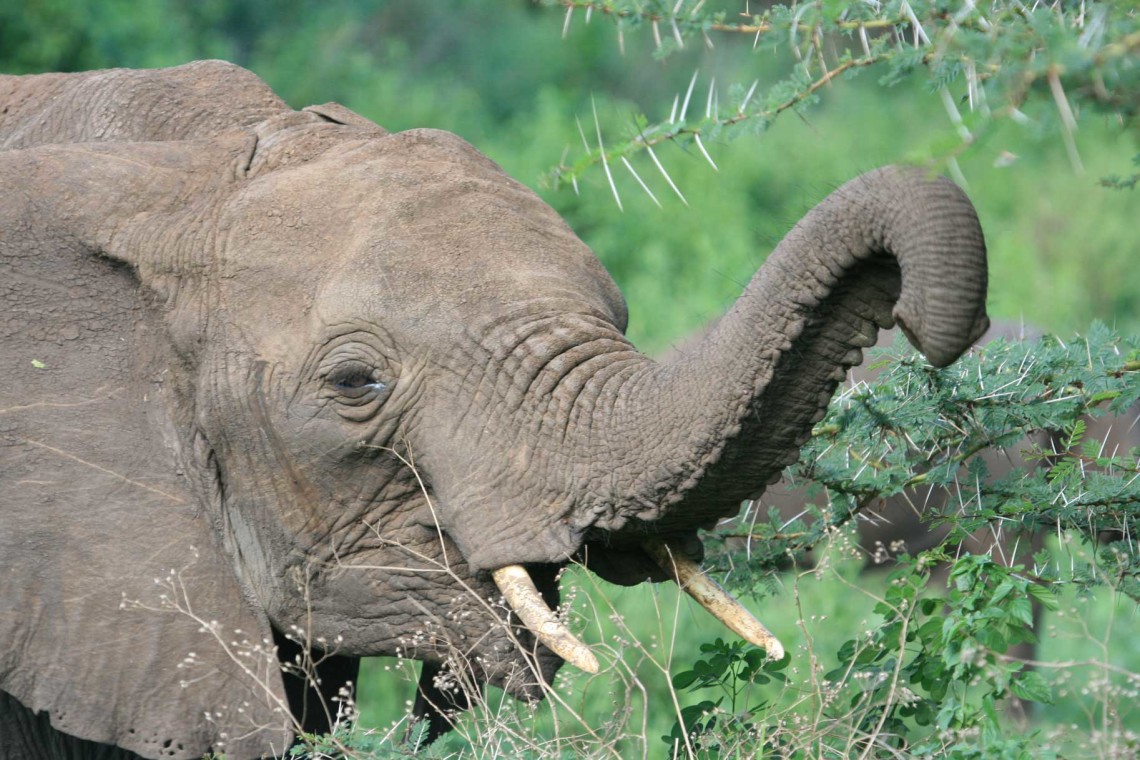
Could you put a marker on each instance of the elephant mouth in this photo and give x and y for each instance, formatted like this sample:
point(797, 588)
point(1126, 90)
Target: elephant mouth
point(542, 641)
point(530, 605)
point(533, 640)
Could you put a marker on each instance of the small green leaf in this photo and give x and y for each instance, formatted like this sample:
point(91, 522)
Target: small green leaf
point(1103, 396)
point(1043, 595)
point(1032, 686)
point(38, 364)
point(684, 679)
point(1022, 610)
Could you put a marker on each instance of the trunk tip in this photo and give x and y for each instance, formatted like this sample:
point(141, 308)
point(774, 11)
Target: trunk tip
point(941, 350)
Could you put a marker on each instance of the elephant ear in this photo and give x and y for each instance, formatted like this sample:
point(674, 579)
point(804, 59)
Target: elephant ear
point(335, 113)
point(120, 615)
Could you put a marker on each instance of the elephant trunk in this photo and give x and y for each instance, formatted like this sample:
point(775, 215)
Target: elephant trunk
point(688, 440)
point(697, 435)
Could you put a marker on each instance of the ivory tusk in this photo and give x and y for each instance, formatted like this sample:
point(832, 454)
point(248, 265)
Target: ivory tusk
point(709, 594)
point(520, 592)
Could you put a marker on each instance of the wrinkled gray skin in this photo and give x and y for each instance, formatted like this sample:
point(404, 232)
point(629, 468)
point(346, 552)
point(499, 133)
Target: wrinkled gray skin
point(230, 329)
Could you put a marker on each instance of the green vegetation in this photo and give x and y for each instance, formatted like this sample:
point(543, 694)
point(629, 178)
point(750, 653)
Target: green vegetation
point(876, 660)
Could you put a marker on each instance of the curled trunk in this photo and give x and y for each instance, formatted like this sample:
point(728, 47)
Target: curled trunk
point(699, 434)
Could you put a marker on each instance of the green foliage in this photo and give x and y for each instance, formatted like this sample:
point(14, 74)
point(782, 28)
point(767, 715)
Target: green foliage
point(726, 726)
point(1123, 183)
point(931, 677)
point(1002, 60)
point(918, 426)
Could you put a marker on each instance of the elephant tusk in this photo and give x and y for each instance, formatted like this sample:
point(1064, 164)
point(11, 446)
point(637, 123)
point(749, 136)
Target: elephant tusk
point(709, 594)
point(520, 592)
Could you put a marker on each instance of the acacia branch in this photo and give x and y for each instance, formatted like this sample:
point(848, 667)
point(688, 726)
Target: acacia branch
point(648, 142)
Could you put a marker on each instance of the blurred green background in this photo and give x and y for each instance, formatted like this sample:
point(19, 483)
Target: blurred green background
point(1063, 249)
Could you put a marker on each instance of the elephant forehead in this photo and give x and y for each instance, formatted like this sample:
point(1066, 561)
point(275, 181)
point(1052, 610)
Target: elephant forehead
point(428, 199)
point(415, 224)
point(477, 245)
point(409, 281)
point(412, 178)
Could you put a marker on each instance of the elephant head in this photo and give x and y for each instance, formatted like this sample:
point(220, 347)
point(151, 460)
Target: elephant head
point(311, 376)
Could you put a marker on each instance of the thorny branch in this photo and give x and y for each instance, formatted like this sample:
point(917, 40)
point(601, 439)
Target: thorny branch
point(916, 426)
point(1008, 54)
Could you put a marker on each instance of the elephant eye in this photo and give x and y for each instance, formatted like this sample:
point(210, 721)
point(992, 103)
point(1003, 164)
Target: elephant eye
point(355, 382)
point(352, 382)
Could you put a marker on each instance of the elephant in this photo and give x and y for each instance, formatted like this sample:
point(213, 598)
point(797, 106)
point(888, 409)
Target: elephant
point(283, 387)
